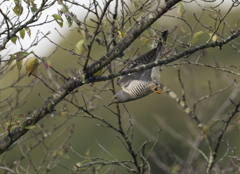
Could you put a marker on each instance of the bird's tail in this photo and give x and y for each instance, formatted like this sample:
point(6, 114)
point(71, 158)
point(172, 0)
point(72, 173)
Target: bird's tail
point(160, 44)
point(182, 104)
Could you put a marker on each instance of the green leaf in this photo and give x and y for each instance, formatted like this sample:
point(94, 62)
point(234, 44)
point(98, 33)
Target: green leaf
point(58, 19)
point(64, 10)
point(32, 126)
point(19, 64)
point(20, 55)
point(136, 4)
point(93, 93)
point(12, 58)
point(17, 2)
point(6, 124)
point(18, 10)
point(27, 2)
point(22, 33)
point(13, 127)
point(32, 3)
point(14, 39)
point(33, 9)
point(44, 59)
point(196, 36)
point(28, 31)
point(69, 20)
point(23, 123)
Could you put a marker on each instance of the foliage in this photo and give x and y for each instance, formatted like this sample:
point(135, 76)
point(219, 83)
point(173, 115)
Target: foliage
point(40, 113)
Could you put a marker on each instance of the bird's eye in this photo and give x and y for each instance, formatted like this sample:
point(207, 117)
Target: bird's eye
point(115, 97)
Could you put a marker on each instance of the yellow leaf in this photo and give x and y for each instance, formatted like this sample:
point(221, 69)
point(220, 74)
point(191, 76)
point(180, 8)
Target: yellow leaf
point(121, 34)
point(238, 22)
point(79, 47)
point(57, 153)
point(64, 114)
point(176, 168)
point(144, 42)
point(18, 9)
point(98, 73)
point(214, 38)
point(78, 164)
point(28, 31)
point(184, 31)
point(31, 65)
point(196, 36)
point(88, 153)
point(181, 9)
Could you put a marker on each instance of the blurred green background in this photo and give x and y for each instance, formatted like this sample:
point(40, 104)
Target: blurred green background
point(147, 113)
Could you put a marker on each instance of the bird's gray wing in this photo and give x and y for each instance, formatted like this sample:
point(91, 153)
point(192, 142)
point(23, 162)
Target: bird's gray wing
point(144, 75)
point(126, 79)
point(155, 75)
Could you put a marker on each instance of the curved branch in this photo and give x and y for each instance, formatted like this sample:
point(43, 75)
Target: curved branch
point(131, 36)
point(80, 79)
point(167, 61)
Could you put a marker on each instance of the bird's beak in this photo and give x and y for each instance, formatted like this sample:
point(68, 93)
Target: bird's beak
point(111, 103)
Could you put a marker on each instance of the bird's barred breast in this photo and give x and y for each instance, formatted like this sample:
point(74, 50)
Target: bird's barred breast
point(141, 89)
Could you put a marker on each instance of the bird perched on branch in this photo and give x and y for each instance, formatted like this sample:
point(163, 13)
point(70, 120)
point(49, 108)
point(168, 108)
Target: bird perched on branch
point(139, 84)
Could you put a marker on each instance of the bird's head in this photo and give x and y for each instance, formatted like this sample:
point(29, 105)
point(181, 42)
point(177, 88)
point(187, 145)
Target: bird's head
point(121, 97)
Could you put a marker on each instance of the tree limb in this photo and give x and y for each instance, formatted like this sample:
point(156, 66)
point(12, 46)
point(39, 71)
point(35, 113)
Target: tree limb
point(80, 79)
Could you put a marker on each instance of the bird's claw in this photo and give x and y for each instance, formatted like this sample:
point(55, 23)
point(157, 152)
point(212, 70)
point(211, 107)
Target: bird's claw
point(159, 91)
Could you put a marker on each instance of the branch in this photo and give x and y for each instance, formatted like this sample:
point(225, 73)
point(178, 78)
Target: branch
point(33, 19)
point(141, 26)
point(167, 61)
point(80, 79)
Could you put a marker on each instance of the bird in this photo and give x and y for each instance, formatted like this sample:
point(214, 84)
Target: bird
point(140, 84)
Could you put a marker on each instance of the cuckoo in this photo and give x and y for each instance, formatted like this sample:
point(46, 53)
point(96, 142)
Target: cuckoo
point(139, 84)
